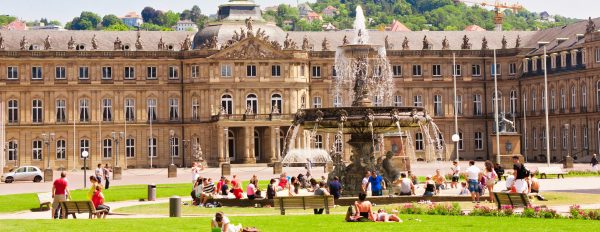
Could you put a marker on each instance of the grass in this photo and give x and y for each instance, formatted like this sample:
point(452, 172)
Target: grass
point(324, 223)
point(27, 201)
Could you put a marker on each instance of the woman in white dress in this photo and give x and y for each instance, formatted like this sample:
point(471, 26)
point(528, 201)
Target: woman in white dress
point(220, 221)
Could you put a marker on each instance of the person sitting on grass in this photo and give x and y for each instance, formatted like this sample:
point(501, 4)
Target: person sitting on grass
point(383, 216)
point(208, 191)
point(364, 208)
point(225, 188)
point(220, 223)
point(237, 191)
point(464, 191)
point(98, 201)
point(429, 187)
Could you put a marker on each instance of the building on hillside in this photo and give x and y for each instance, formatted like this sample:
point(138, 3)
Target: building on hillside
point(397, 26)
point(132, 19)
point(312, 16)
point(329, 11)
point(304, 9)
point(185, 25)
point(473, 28)
point(42, 26)
point(17, 25)
point(328, 27)
point(235, 97)
point(546, 17)
point(271, 8)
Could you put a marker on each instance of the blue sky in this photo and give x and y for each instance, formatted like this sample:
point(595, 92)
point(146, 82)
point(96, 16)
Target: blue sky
point(65, 10)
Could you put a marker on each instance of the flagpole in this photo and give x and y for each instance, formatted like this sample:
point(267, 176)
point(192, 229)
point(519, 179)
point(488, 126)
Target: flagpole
point(495, 69)
point(546, 108)
point(74, 132)
point(455, 107)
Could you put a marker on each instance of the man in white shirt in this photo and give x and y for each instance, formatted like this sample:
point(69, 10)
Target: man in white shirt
point(365, 183)
point(99, 173)
point(455, 174)
point(473, 175)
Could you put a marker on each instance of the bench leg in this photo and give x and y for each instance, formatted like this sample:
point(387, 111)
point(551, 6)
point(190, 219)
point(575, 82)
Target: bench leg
point(283, 212)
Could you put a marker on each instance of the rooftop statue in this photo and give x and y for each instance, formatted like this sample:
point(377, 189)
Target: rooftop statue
point(426, 44)
point(325, 44)
point(47, 45)
point(518, 42)
point(590, 27)
point(345, 40)
point(1, 42)
point(405, 45)
point(445, 44)
point(465, 45)
point(305, 45)
point(249, 23)
point(138, 42)
point(71, 44)
point(504, 42)
point(484, 43)
point(23, 43)
point(94, 42)
point(187, 44)
point(118, 44)
point(388, 45)
point(161, 44)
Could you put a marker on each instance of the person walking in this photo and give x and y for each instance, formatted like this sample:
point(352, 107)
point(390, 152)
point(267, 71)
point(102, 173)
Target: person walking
point(99, 174)
point(377, 184)
point(520, 173)
point(490, 177)
point(473, 176)
point(106, 171)
point(365, 183)
point(335, 188)
point(594, 162)
point(60, 193)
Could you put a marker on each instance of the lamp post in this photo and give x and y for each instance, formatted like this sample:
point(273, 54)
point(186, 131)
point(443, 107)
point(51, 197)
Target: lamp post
point(186, 144)
point(172, 170)
point(48, 172)
point(84, 155)
point(568, 161)
point(456, 139)
point(117, 137)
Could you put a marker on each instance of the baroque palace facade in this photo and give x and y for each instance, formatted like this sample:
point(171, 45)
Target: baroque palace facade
point(232, 90)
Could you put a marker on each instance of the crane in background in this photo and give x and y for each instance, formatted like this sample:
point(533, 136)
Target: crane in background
point(498, 8)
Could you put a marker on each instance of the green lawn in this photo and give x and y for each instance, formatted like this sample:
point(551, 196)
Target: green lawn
point(323, 223)
point(27, 201)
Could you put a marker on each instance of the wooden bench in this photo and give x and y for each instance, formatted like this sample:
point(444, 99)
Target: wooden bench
point(544, 171)
point(516, 200)
point(76, 207)
point(45, 199)
point(303, 202)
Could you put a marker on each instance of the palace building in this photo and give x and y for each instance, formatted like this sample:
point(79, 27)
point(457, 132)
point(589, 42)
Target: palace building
point(231, 90)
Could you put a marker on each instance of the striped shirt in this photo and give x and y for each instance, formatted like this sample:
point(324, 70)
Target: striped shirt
point(209, 188)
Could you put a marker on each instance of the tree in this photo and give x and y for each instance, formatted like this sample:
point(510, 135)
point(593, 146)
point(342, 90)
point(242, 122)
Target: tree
point(117, 27)
point(169, 19)
point(111, 19)
point(148, 14)
point(54, 22)
point(92, 17)
point(6, 19)
point(195, 14)
point(86, 21)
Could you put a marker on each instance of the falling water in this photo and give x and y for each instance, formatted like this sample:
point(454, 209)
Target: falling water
point(440, 141)
point(360, 27)
point(409, 149)
point(290, 139)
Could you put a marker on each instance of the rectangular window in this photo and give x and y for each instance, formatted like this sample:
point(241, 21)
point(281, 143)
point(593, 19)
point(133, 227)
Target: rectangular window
point(106, 73)
point(130, 109)
point(333, 71)
point(151, 73)
point(553, 138)
point(437, 105)
point(175, 147)
point(597, 55)
point(398, 101)
point(61, 149)
point(534, 139)
point(12, 151)
point(84, 145)
point(276, 70)
point(458, 70)
point(195, 71)
point(397, 70)
point(36, 72)
point(12, 72)
point(416, 70)
point(497, 67)
point(152, 147)
point(251, 70)
point(195, 109)
point(586, 142)
point(84, 73)
point(478, 141)
point(37, 111)
point(60, 72)
point(37, 150)
point(130, 148)
point(564, 138)
point(173, 109)
point(151, 110)
point(107, 148)
point(302, 70)
point(459, 105)
point(477, 109)
point(317, 102)
point(436, 70)
point(316, 71)
point(512, 69)
point(107, 110)
point(129, 73)
point(61, 110)
point(13, 111)
point(460, 141)
point(574, 142)
point(476, 70)
point(419, 141)
point(173, 73)
point(226, 70)
point(84, 110)
point(418, 101)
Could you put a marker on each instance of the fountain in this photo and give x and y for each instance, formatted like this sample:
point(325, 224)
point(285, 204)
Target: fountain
point(363, 74)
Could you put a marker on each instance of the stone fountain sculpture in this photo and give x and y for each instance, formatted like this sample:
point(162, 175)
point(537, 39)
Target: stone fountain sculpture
point(364, 76)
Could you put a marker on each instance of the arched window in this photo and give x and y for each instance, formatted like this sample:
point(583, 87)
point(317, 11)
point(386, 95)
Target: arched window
point(574, 136)
point(276, 103)
point(419, 141)
point(543, 137)
point(552, 99)
point(598, 97)
point(499, 101)
point(398, 101)
point(227, 104)
point(377, 100)
point(338, 145)
point(543, 102)
point(563, 99)
point(583, 96)
point(37, 111)
point(553, 131)
point(460, 141)
point(317, 102)
point(534, 139)
point(152, 151)
point(174, 146)
point(513, 101)
point(533, 100)
point(437, 105)
point(84, 110)
point(337, 101)
point(252, 103)
point(573, 97)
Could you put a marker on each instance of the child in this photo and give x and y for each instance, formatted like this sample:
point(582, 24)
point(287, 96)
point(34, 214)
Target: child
point(464, 191)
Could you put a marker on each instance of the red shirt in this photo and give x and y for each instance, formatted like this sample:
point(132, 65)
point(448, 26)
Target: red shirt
point(283, 182)
point(60, 186)
point(97, 199)
point(237, 192)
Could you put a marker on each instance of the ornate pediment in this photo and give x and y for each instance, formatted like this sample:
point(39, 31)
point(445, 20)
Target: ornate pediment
point(251, 48)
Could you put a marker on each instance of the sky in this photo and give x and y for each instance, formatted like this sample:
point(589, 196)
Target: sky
point(66, 10)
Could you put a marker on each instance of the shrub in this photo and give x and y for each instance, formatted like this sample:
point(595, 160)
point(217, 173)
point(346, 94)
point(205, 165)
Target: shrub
point(481, 210)
point(507, 210)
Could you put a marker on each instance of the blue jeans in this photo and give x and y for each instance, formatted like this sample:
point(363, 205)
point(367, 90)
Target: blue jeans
point(473, 185)
point(376, 192)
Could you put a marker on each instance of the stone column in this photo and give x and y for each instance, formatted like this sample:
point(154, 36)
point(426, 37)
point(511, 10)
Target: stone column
point(249, 145)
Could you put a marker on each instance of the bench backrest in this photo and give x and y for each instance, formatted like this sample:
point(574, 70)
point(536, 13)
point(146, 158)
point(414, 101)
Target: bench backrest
point(78, 207)
point(45, 197)
point(550, 170)
point(303, 202)
point(516, 200)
